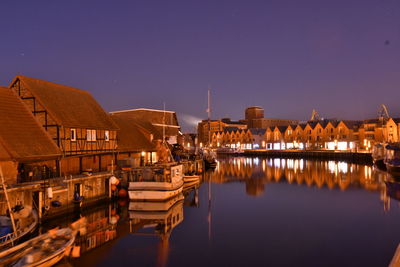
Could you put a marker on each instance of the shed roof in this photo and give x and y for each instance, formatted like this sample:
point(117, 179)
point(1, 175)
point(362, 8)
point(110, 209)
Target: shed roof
point(153, 120)
point(21, 136)
point(69, 107)
point(130, 137)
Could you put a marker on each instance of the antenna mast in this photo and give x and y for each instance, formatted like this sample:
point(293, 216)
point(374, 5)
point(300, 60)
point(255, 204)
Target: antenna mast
point(163, 128)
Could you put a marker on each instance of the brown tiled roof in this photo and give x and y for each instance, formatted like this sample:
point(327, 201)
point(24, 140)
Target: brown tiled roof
point(21, 137)
point(130, 136)
point(153, 121)
point(68, 106)
point(352, 124)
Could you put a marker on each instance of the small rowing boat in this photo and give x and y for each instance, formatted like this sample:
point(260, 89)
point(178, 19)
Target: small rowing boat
point(41, 251)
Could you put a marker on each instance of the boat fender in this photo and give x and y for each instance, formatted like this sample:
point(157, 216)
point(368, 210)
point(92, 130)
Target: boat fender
point(68, 251)
point(50, 192)
point(114, 180)
point(76, 252)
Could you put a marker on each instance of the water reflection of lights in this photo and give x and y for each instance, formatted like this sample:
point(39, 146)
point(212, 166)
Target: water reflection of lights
point(256, 161)
point(331, 166)
point(277, 163)
point(311, 172)
point(342, 166)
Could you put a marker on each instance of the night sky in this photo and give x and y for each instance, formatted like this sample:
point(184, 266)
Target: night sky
point(339, 57)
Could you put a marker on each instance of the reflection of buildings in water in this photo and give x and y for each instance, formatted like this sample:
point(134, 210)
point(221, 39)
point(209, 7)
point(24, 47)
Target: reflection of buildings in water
point(332, 174)
point(157, 222)
point(254, 187)
point(101, 228)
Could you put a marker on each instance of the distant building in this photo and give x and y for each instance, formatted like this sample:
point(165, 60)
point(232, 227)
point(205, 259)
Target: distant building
point(254, 118)
point(204, 130)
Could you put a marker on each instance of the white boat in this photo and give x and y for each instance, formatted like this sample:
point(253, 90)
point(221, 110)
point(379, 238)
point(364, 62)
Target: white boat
point(191, 178)
point(26, 222)
point(138, 206)
point(156, 183)
point(167, 219)
point(42, 251)
point(22, 222)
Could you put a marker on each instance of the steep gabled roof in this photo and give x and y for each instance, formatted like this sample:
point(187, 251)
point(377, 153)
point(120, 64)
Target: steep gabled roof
point(313, 124)
point(325, 123)
point(153, 120)
point(21, 136)
point(69, 107)
point(302, 125)
point(352, 124)
point(257, 131)
point(230, 129)
point(282, 129)
point(130, 136)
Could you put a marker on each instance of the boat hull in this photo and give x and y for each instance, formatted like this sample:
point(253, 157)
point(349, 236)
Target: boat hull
point(393, 169)
point(380, 164)
point(154, 193)
point(210, 164)
point(154, 206)
point(8, 242)
point(191, 178)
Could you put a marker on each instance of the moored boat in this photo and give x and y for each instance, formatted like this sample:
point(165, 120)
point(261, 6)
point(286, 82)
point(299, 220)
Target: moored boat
point(26, 221)
point(41, 251)
point(191, 178)
point(138, 206)
point(378, 155)
point(392, 159)
point(156, 183)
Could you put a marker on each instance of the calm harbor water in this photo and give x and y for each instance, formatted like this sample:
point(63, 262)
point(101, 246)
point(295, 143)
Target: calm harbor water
point(255, 212)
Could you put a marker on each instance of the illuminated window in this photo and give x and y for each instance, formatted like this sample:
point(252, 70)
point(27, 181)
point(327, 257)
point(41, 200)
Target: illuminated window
point(90, 135)
point(73, 134)
point(107, 135)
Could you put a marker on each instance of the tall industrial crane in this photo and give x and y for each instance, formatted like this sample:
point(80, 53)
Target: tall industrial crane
point(383, 112)
point(315, 116)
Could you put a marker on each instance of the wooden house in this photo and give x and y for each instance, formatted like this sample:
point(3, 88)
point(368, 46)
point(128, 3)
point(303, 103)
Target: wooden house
point(135, 147)
point(27, 152)
point(158, 122)
point(79, 126)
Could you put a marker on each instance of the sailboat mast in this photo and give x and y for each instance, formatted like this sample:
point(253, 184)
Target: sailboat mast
point(163, 128)
point(209, 116)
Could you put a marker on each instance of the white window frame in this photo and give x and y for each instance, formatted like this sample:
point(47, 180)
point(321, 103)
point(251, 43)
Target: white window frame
point(73, 134)
point(107, 135)
point(88, 135)
point(93, 135)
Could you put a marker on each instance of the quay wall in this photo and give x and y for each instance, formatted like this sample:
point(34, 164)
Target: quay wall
point(92, 188)
point(360, 157)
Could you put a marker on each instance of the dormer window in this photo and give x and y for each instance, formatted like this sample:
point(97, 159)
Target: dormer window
point(73, 134)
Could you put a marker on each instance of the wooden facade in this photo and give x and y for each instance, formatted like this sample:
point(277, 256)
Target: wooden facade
point(86, 140)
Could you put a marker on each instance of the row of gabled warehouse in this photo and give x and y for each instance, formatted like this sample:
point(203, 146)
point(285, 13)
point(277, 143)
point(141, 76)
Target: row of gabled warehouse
point(317, 134)
point(51, 130)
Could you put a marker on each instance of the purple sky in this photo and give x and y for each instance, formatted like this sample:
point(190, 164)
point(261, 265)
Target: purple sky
point(341, 57)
